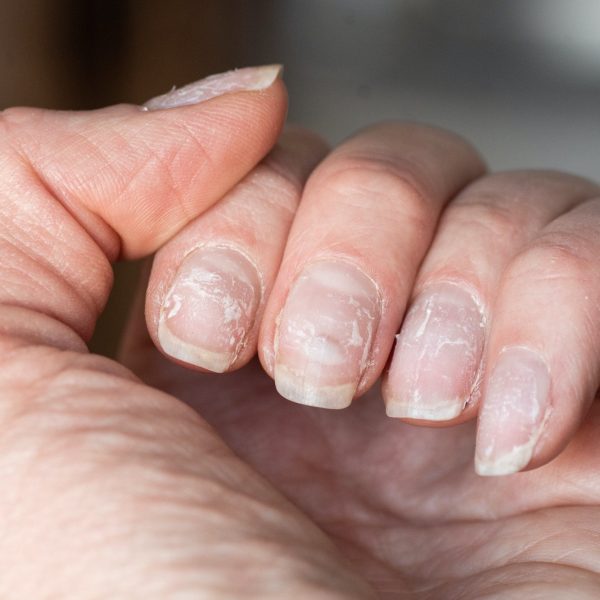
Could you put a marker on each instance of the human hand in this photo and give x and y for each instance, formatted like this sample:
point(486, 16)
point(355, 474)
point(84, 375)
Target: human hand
point(112, 489)
point(133, 492)
point(404, 502)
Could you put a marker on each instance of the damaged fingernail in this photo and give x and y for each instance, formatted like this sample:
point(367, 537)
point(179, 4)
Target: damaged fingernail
point(438, 354)
point(210, 308)
point(325, 334)
point(515, 408)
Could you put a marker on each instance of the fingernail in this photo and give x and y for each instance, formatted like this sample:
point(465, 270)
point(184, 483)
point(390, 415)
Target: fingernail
point(437, 357)
point(240, 80)
point(210, 308)
point(325, 335)
point(515, 408)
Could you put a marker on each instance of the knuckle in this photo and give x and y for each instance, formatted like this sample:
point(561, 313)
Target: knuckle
point(274, 184)
point(556, 256)
point(524, 182)
point(562, 181)
point(488, 214)
point(379, 180)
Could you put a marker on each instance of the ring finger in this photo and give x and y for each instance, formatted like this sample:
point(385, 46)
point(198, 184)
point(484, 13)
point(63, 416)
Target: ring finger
point(437, 367)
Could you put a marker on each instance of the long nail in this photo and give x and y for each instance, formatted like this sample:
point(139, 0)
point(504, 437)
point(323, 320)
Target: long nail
point(437, 357)
point(248, 79)
point(325, 335)
point(210, 308)
point(515, 408)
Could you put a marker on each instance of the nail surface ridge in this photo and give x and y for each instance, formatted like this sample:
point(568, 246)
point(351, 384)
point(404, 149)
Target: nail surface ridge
point(437, 360)
point(514, 414)
point(210, 308)
point(325, 334)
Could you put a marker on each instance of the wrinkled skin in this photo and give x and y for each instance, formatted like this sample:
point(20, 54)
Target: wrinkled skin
point(114, 489)
point(404, 502)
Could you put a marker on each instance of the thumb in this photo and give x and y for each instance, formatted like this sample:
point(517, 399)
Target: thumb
point(145, 171)
point(79, 188)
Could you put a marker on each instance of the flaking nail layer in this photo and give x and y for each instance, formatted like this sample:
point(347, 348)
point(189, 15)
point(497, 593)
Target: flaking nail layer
point(325, 334)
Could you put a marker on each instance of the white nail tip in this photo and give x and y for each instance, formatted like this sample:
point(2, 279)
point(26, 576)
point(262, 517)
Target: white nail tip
point(194, 355)
point(443, 412)
point(512, 462)
point(295, 388)
point(517, 458)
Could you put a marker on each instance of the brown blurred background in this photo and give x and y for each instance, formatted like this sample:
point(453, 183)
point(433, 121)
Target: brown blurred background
point(520, 79)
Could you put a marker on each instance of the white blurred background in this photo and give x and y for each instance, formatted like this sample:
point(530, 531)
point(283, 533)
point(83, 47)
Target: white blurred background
point(520, 79)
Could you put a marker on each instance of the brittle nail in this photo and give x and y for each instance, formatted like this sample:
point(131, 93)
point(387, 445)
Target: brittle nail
point(438, 354)
point(514, 411)
point(325, 334)
point(210, 308)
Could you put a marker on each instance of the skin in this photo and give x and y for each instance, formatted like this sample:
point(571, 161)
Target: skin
point(146, 479)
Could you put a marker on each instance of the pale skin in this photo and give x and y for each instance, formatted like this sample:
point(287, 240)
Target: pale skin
point(149, 477)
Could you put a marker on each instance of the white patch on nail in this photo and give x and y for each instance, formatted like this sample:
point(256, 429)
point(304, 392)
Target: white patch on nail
point(327, 330)
point(209, 307)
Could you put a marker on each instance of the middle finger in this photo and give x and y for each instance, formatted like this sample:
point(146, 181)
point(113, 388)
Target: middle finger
point(366, 219)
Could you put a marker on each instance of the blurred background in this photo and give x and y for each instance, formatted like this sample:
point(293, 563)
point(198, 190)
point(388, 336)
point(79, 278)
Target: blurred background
point(519, 79)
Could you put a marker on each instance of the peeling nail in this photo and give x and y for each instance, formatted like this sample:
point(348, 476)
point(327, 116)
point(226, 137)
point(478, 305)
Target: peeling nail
point(210, 308)
point(325, 334)
point(515, 408)
point(437, 358)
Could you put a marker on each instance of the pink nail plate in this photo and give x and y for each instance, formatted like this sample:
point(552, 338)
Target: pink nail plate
point(515, 408)
point(240, 80)
point(210, 308)
point(437, 358)
point(325, 334)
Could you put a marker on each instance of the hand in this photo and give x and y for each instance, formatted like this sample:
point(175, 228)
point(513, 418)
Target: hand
point(114, 489)
point(404, 502)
